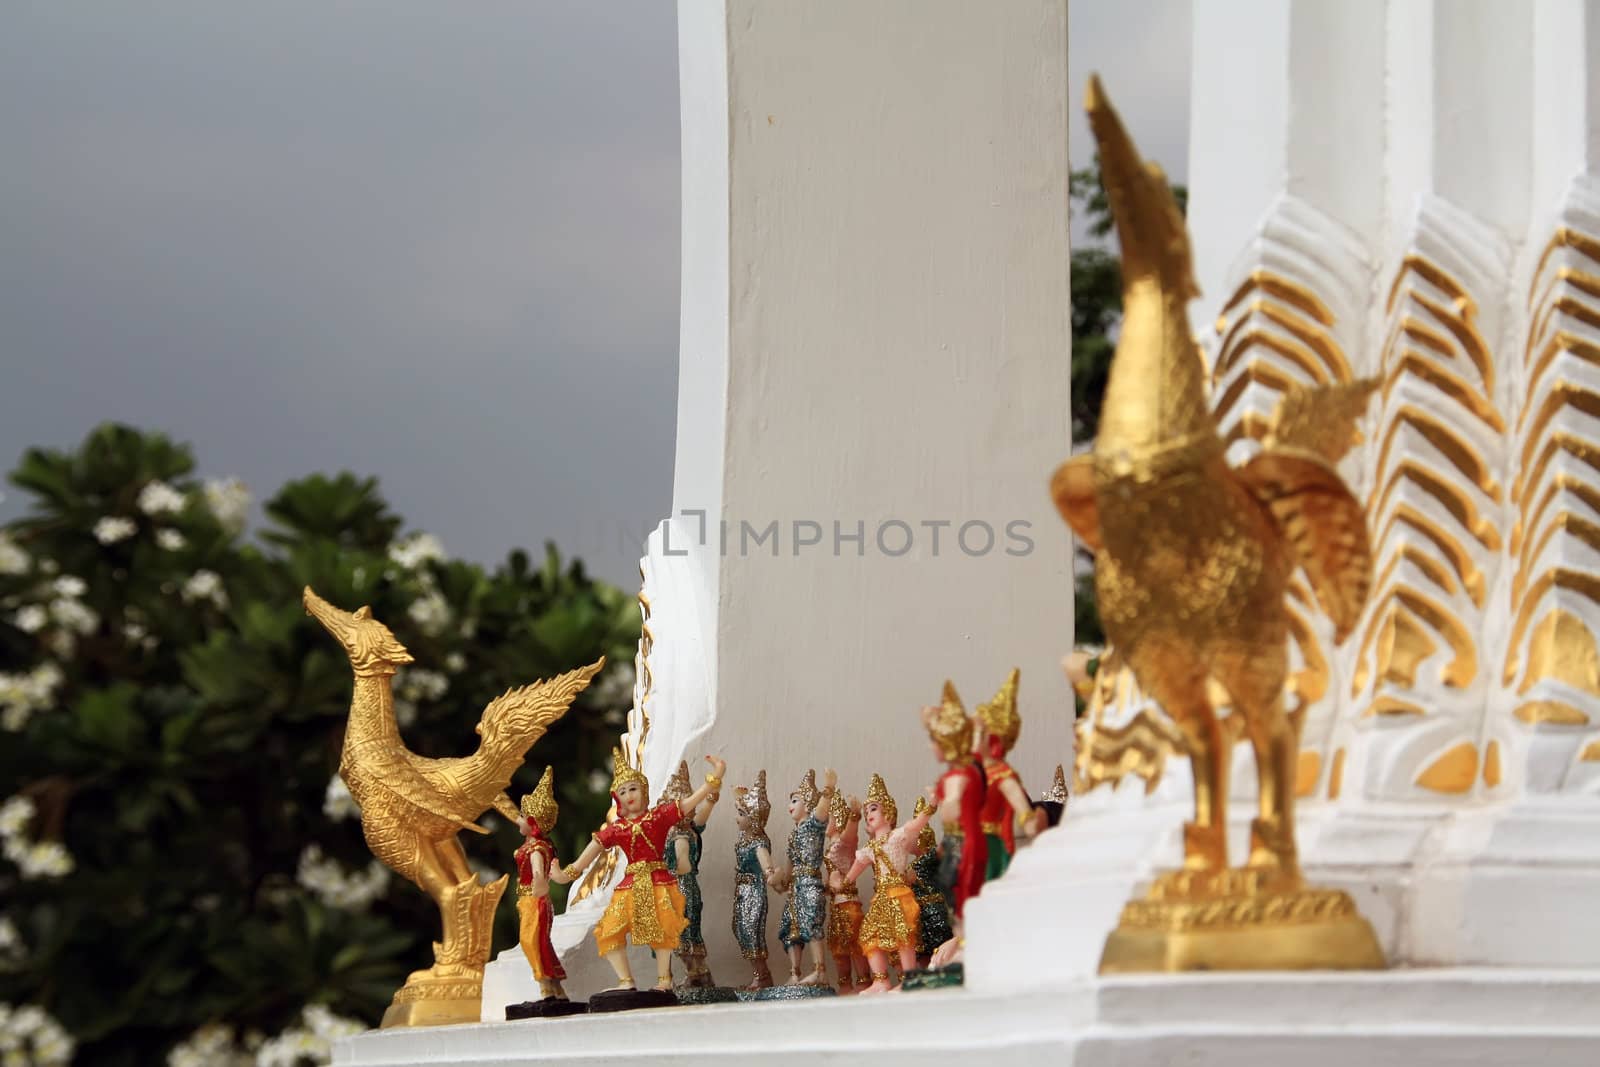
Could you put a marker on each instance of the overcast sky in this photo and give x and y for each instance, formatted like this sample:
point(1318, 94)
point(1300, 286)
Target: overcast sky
point(432, 242)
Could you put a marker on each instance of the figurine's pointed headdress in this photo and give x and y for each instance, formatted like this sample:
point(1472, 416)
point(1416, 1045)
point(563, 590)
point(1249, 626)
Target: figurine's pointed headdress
point(1057, 793)
point(878, 793)
point(751, 801)
point(807, 790)
point(678, 786)
point(540, 805)
point(925, 839)
point(949, 726)
point(839, 812)
point(622, 774)
point(999, 716)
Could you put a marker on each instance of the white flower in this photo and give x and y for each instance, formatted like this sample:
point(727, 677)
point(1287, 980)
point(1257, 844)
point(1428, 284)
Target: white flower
point(12, 950)
point(69, 587)
point(416, 550)
point(431, 613)
point(337, 803)
point(22, 695)
point(420, 684)
point(205, 585)
point(405, 712)
point(170, 539)
point(310, 1043)
point(41, 859)
point(338, 888)
point(30, 619)
point(61, 644)
point(14, 816)
point(114, 528)
point(73, 615)
point(31, 1038)
point(598, 781)
point(13, 560)
point(212, 1045)
point(158, 498)
point(616, 686)
point(455, 663)
point(229, 501)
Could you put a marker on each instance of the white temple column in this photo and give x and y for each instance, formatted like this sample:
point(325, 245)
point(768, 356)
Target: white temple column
point(873, 391)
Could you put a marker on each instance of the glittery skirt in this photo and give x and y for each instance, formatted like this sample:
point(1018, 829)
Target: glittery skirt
point(933, 921)
point(804, 914)
point(692, 943)
point(750, 917)
point(844, 928)
point(534, 916)
point(891, 920)
point(617, 922)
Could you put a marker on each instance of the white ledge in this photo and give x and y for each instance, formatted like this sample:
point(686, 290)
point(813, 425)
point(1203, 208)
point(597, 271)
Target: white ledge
point(1387, 1019)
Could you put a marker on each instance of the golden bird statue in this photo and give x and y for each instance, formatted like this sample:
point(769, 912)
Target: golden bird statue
point(1193, 558)
point(412, 807)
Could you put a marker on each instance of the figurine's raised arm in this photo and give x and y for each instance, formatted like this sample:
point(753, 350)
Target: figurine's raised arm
point(711, 786)
point(830, 782)
point(579, 865)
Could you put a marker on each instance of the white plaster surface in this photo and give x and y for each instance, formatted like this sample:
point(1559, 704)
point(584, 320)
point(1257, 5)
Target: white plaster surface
point(1385, 1019)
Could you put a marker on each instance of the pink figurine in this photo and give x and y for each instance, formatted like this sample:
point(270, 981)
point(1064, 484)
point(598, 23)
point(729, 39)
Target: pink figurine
point(890, 924)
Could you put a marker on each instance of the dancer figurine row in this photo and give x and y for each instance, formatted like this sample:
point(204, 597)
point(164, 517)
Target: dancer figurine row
point(913, 919)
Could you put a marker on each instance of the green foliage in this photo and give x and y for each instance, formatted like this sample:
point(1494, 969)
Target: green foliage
point(1096, 311)
point(183, 753)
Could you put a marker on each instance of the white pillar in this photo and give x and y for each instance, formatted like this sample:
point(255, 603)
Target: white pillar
point(875, 337)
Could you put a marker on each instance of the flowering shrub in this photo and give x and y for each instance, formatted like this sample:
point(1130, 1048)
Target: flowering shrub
point(183, 874)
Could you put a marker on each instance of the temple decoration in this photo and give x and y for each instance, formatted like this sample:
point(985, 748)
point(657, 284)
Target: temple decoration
point(412, 808)
point(1193, 563)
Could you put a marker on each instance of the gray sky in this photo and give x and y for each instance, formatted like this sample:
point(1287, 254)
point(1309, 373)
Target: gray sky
point(436, 243)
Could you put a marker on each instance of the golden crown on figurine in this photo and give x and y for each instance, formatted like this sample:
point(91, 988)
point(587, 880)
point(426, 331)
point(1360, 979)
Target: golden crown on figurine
point(807, 790)
point(878, 793)
point(839, 811)
point(622, 774)
point(1057, 793)
point(949, 726)
point(999, 716)
point(678, 786)
point(751, 801)
point(540, 805)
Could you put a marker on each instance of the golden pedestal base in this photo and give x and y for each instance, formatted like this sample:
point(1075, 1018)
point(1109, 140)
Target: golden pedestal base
point(428, 1000)
point(1239, 921)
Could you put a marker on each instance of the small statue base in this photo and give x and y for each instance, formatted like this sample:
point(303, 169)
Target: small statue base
point(547, 1008)
point(934, 978)
point(1238, 920)
point(430, 1000)
point(707, 994)
point(632, 999)
point(793, 992)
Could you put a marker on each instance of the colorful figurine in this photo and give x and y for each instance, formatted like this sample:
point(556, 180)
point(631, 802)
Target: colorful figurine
point(1006, 804)
point(890, 925)
point(933, 902)
point(752, 866)
point(534, 859)
point(683, 850)
point(647, 905)
point(959, 797)
point(844, 899)
point(804, 916)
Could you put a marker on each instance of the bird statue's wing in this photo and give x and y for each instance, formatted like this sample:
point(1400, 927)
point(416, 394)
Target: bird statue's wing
point(1323, 523)
point(407, 781)
point(1072, 488)
point(1320, 419)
